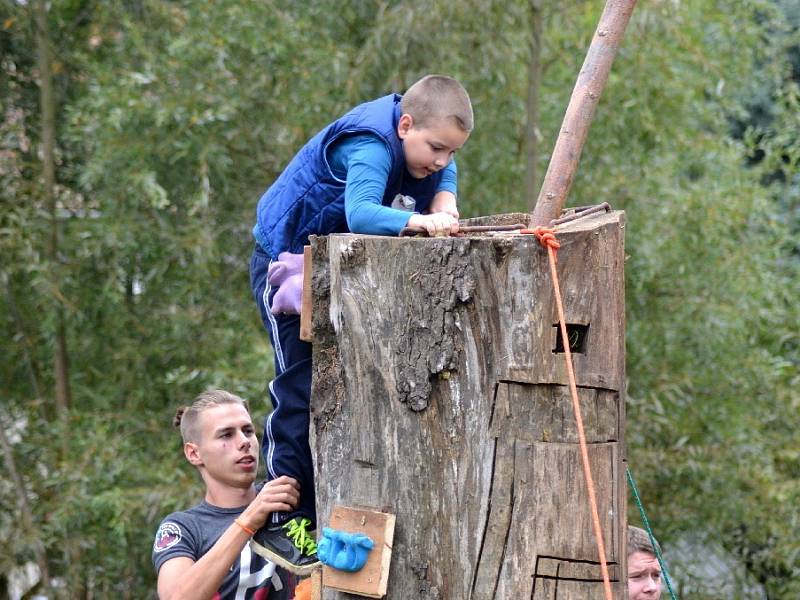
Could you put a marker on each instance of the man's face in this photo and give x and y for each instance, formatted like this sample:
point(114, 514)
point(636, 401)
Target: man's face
point(228, 448)
point(644, 577)
point(429, 149)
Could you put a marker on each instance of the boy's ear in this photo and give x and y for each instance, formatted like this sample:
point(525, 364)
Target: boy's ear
point(192, 453)
point(404, 125)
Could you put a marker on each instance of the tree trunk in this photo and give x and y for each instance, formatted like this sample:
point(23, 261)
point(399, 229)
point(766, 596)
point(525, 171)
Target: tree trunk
point(33, 371)
point(26, 516)
point(440, 395)
point(532, 135)
point(48, 107)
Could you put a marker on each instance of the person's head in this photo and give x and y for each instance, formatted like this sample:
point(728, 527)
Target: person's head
point(644, 572)
point(219, 438)
point(436, 120)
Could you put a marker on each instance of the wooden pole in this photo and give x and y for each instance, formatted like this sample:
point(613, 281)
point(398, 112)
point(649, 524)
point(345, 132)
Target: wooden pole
point(580, 111)
point(532, 135)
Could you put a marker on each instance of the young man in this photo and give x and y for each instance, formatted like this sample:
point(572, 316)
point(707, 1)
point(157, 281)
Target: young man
point(203, 552)
point(644, 572)
point(385, 165)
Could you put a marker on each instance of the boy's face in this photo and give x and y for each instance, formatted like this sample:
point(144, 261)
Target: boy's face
point(429, 149)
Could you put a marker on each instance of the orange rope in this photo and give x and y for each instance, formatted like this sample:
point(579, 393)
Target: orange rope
point(548, 239)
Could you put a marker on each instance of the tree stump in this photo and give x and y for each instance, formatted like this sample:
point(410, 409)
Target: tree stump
point(440, 395)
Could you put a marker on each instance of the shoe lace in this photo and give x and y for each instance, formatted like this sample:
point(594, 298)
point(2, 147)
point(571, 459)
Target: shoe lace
point(296, 531)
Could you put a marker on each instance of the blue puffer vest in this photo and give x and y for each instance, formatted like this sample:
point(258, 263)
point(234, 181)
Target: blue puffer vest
point(307, 199)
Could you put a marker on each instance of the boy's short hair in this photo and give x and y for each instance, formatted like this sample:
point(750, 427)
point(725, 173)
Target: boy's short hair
point(186, 417)
point(639, 541)
point(438, 97)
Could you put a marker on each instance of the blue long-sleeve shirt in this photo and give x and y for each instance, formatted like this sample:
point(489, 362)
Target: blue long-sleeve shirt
point(364, 162)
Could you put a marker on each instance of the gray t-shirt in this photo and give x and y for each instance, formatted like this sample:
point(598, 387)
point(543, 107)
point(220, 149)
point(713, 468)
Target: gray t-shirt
point(193, 532)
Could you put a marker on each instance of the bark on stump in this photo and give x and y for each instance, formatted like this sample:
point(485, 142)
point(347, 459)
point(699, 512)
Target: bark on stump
point(440, 395)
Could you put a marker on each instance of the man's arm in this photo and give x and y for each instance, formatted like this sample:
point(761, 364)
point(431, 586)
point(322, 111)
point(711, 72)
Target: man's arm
point(182, 577)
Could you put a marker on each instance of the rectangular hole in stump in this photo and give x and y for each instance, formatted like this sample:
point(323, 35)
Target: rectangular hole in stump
point(576, 334)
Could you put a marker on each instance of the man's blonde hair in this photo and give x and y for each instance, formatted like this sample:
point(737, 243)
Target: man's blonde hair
point(186, 417)
point(437, 98)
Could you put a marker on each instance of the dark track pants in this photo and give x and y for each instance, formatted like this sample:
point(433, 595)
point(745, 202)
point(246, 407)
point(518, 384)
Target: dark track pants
point(285, 444)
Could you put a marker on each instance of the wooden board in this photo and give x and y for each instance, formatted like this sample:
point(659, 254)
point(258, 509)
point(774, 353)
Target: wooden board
point(305, 305)
point(373, 579)
point(316, 585)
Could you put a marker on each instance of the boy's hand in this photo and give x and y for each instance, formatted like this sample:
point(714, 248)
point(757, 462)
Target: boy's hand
point(436, 225)
point(444, 202)
point(278, 495)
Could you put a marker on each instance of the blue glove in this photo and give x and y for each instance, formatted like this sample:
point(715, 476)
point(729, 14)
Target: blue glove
point(344, 551)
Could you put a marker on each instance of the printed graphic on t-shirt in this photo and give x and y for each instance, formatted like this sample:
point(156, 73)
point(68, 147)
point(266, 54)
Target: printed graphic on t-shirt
point(255, 580)
point(167, 536)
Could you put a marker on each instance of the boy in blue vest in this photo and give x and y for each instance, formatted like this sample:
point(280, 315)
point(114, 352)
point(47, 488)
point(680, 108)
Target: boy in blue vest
point(385, 165)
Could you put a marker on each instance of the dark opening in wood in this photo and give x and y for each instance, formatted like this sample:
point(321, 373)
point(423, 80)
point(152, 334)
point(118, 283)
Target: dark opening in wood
point(576, 334)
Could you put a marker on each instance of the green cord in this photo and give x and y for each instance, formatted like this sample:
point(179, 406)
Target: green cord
point(638, 500)
point(298, 534)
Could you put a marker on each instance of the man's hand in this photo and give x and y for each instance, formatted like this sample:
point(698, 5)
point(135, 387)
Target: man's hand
point(444, 202)
point(438, 224)
point(278, 495)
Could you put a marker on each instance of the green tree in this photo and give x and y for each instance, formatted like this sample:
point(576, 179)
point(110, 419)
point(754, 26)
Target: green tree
point(172, 117)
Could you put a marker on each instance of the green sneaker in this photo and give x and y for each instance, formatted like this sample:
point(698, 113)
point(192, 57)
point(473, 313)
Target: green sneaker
point(289, 545)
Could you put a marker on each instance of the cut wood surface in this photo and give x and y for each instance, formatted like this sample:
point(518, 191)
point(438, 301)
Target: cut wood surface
point(440, 395)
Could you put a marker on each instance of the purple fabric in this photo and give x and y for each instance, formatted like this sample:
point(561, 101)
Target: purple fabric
point(286, 274)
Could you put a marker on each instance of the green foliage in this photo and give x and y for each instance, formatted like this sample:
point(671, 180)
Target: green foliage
point(174, 116)
point(712, 324)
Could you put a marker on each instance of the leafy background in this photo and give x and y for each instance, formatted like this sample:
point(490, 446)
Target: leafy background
point(171, 118)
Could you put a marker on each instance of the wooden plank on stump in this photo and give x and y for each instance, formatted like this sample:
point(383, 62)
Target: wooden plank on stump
point(373, 579)
point(305, 307)
point(316, 584)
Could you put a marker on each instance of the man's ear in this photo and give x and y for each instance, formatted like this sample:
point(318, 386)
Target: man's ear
point(404, 125)
point(192, 453)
